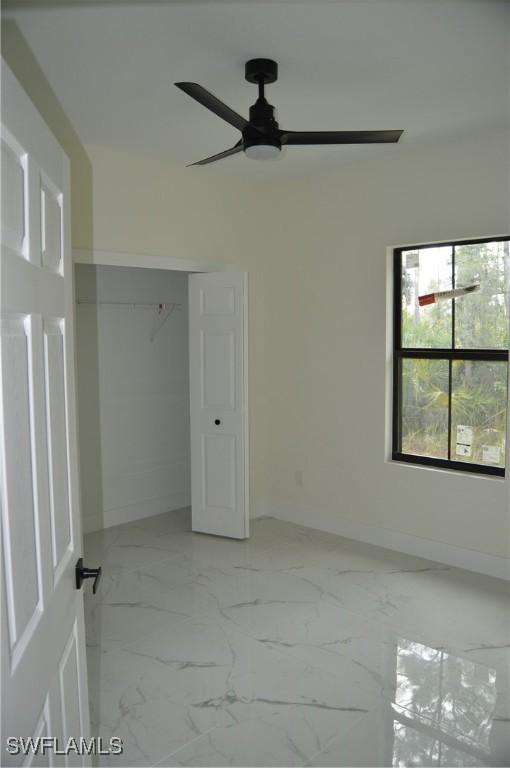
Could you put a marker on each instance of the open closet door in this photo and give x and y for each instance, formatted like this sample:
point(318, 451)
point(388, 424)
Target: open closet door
point(219, 403)
point(44, 680)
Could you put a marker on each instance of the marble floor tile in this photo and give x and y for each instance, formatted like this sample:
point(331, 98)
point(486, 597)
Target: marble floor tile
point(391, 737)
point(279, 739)
point(294, 647)
point(133, 604)
point(211, 676)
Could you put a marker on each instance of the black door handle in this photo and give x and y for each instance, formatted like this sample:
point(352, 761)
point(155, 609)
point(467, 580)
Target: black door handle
point(83, 573)
point(217, 422)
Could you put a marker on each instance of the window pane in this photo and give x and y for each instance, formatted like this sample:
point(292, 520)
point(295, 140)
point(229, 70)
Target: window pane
point(425, 407)
point(479, 399)
point(482, 318)
point(426, 271)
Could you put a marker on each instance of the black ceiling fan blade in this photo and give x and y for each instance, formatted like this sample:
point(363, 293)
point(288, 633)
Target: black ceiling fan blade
point(209, 101)
point(212, 159)
point(340, 137)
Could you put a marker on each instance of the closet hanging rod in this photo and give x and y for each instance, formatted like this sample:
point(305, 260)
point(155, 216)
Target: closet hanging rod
point(149, 305)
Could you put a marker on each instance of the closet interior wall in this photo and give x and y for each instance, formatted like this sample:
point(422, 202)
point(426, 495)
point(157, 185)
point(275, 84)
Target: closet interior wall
point(133, 393)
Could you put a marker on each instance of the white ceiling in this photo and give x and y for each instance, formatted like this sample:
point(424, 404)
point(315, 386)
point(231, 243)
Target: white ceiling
point(433, 67)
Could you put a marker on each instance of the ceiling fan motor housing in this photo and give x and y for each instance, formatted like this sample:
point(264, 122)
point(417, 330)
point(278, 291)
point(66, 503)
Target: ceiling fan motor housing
point(262, 130)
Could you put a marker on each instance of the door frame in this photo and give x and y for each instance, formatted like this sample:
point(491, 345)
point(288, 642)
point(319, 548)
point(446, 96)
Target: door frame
point(146, 261)
point(174, 264)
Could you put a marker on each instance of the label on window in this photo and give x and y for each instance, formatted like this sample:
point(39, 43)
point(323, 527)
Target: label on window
point(464, 440)
point(491, 454)
point(412, 260)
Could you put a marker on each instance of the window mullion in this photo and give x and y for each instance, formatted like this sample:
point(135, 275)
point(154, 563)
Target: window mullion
point(450, 366)
point(397, 405)
point(489, 355)
point(453, 300)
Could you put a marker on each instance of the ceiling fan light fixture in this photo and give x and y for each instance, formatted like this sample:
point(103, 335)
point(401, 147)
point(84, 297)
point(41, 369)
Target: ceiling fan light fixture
point(262, 151)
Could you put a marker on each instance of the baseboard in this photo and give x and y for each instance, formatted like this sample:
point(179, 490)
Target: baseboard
point(129, 514)
point(257, 509)
point(138, 511)
point(440, 552)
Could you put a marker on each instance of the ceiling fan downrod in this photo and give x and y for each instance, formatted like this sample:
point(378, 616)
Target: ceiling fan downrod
point(261, 137)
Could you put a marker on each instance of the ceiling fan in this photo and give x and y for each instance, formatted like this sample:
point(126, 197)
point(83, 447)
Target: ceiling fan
point(262, 138)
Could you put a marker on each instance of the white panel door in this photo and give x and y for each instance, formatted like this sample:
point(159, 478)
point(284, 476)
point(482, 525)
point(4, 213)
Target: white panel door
point(219, 403)
point(44, 683)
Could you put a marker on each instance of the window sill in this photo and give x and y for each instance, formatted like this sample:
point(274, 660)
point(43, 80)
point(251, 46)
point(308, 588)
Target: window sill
point(443, 465)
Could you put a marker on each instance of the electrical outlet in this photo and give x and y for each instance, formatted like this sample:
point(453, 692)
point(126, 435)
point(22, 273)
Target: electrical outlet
point(299, 477)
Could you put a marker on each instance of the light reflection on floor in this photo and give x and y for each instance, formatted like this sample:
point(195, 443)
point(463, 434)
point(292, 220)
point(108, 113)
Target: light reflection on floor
point(444, 706)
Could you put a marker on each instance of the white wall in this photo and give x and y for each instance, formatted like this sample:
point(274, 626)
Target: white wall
point(325, 332)
point(315, 248)
point(316, 251)
point(133, 395)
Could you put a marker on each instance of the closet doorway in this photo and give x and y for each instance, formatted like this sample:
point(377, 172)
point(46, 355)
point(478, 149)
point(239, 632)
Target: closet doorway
point(162, 392)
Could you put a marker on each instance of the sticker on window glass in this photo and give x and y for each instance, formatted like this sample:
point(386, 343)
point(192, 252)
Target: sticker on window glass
point(412, 260)
point(464, 440)
point(491, 454)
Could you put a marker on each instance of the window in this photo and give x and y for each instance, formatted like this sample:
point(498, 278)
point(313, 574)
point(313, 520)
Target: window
point(451, 338)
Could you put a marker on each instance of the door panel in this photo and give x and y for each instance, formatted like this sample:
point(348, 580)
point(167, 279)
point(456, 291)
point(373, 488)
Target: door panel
point(42, 729)
point(13, 198)
point(44, 685)
point(217, 300)
point(219, 462)
point(69, 678)
point(219, 369)
point(51, 228)
point(54, 371)
point(23, 590)
point(218, 401)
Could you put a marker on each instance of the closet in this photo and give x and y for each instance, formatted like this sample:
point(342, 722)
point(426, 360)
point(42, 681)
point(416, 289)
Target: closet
point(133, 392)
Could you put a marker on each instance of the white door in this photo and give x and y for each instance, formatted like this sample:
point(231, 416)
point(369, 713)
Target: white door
point(44, 683)
point(219, 403)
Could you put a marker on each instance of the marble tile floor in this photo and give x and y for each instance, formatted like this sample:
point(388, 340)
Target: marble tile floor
point(292, 648)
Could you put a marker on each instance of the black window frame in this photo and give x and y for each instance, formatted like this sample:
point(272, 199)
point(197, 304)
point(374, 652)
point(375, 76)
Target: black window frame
point(437, 353)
